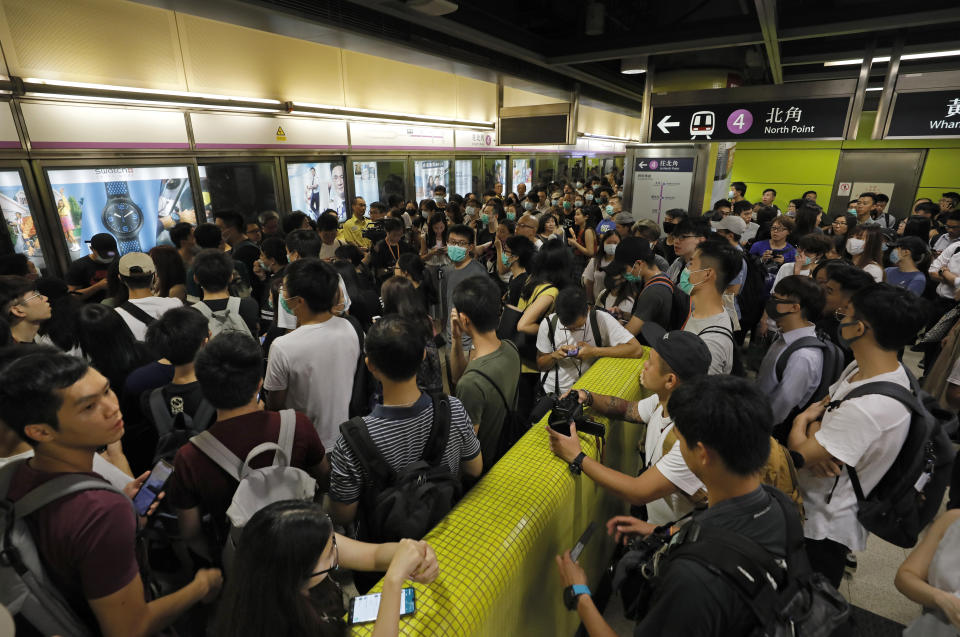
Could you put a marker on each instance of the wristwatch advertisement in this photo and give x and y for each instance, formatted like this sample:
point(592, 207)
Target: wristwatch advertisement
point(122, 217)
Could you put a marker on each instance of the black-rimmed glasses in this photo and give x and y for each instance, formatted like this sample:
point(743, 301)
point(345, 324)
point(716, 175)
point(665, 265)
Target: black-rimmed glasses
point(336, 559)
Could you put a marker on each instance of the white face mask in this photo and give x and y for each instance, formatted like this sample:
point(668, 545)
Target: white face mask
point(610, 249)
point(855, 246)
point(730, 194)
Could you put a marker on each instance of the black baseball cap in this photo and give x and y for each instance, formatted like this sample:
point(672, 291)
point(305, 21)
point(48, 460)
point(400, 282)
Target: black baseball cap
point(632, 249)
point(104, 244)
point(685, 352)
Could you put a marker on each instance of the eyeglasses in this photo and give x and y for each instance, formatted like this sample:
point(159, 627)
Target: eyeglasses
point(777, 229)
point(839, 222)
point(778, 300)
point(839, 314)
point(336, 559)
point(30, 298)
point(688, 236)
point(454, 242)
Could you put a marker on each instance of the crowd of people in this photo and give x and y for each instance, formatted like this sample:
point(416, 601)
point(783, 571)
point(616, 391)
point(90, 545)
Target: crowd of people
point(337, 360)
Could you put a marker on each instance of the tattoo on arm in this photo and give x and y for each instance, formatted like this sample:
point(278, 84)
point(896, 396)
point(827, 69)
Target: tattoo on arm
point(617, 407)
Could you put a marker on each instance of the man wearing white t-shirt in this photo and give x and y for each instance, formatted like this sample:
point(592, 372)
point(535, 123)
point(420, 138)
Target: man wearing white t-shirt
point(573, 348)
point(138, 273)
point(311, 369)
point(666, 486)
point(866, 432)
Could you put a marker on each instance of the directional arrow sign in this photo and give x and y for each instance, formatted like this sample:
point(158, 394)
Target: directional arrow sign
point(642, 164)
point(664, 123)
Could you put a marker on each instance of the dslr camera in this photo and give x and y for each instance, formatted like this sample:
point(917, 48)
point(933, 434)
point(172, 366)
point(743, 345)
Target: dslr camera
point(374, 231)
point(569, 409)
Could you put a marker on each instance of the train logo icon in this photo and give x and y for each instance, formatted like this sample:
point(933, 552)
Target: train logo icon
point(701, 124)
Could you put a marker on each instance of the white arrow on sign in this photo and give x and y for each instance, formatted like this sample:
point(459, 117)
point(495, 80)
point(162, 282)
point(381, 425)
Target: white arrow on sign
point(643, 164)
point(664, 123)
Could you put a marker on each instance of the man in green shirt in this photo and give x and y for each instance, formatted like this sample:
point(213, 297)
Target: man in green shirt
point(486, 382)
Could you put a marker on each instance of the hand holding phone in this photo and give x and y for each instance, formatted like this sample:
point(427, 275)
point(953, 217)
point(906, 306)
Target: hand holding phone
point(153, 487)
point(571, 353)
point(364, 608)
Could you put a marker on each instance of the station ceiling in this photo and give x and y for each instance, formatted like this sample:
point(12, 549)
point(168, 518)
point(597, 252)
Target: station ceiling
point(568, 42)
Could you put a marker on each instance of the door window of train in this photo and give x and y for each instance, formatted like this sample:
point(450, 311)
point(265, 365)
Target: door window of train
point(248, 188)
point(546, 170)
point(522, 173)
point(136, 204)
point(377, 180)
point(19, 218)
point(495, 172)
point(468, 176)
point(318, 186)
point(428, 174)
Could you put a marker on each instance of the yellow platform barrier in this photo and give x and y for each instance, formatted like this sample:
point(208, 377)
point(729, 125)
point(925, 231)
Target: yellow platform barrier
point(496, 549)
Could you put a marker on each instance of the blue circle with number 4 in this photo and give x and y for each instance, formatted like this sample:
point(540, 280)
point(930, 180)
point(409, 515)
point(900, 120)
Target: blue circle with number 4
point(740, 121)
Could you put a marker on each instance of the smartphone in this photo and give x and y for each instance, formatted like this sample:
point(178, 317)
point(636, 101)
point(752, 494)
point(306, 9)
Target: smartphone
point(777, 253)
point(148, 493)
point(582, 542)
point(573, 352)
point(364, 608)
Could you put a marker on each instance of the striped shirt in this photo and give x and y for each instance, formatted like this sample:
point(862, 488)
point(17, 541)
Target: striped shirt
point(400, 433)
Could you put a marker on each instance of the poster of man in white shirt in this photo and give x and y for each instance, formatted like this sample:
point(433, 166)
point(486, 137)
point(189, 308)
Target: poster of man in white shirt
point(315, 187)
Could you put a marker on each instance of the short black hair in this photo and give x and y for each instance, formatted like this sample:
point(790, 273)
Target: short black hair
point(12, 288)
point(872, 195)
point(327, 222)
point(851, 278)
point(740, 187)
point(208, 235)
point(461, 230)
point(178, 334)
point(815, 243)
point(313, 281)
point(729, 415)
point(721, 203)
point(675, 213)
point(882, 198)
point(928, 207)
point(16, 264)
point(522, 248)
point(379, 207)
point(953, 216)
point(213, 269)
point(571, 304)
point(699, 226)
point(740, 206)
point(228, 369)
point(766, 190)
point(275, 248)
point(726, 260)
point(231, 219)
point(391, 224)
point(30, 388)
point(305, 243)
point(478, 297)
point(179, 232)
point(809, 192)
point(349, 252)
point(413, 265)
point(894, 314)
point(441, 188)
point(294, 221)
point(955, 197)
point(395, 346)
point(805, 290)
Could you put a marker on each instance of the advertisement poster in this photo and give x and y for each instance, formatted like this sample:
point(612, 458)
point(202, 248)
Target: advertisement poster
point(365, 181)
point(464, 176)
point(430, 173)
point(16, 212)
point(722, 170)
point(500, 173)
point(522, 174)
point(137, 205)
point(316, 187)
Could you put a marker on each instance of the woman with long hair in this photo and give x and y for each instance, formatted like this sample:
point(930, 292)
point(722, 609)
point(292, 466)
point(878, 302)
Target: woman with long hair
point(281, 584)
point(865, 246)
point(593, 274)
point(106, 340)
point(433, 245)
point(171, 273)
point(583, 237)
point(808, 221)
point(840, 226)
point(399, 296)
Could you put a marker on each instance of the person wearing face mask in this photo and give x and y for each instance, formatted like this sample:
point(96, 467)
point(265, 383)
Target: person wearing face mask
point(460, 242)
point(664, 246)
point(738, 190)
point(865, 247)
point(865, 432)
point(531, 203)
point(810, 250)
point(608, 210)
point(87, 276)
point(655, 302)
point(593, 274)
point(713, 265)
point(440, 194)
point(909, 256)
point(794, 304)
point(516, 256)
point(588, 197)
point(510, 211)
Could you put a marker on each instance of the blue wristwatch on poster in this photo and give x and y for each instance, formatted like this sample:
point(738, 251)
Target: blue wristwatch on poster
point(122, 217)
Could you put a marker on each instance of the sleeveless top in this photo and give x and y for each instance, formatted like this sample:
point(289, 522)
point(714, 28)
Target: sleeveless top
point(944, 573)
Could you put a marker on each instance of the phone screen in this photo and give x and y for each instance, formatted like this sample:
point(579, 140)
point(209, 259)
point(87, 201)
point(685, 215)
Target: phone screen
point(152, 487)
point(364, 608)
point(582, 542)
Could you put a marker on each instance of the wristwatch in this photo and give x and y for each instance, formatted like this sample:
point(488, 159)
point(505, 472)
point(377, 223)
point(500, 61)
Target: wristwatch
point(571, 593)
point(122, 217)
point(576, 467)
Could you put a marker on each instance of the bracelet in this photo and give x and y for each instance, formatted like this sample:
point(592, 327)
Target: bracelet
point(589, 401)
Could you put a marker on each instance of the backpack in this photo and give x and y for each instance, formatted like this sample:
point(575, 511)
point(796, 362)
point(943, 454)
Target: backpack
point(513, 426)
point(176, 431)
point(25, 588)
point(679, 304)
point(737, 369)
point(409, 502)
point(753, 293)
point(138, 313)
point(363, 381)
point(909, 494)
point(258, 487)
point(551, 332)
point(226, 320)
point(785, 600)
point(830, 371)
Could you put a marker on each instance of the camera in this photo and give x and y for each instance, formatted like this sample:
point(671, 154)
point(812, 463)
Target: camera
point(374, 231)
point(569, 409)
point(636, 569)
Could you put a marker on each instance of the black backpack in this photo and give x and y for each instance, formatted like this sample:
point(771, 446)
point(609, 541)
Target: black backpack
point(737, 369)
point(363, 382)
point(832, 368)
point(909, 494)
point(679, 303)
point(138, 313)
point(551, 333)
point(408, 503)
point(788, 601)
point(753, 293)
point(176, 431)
point(514, 426)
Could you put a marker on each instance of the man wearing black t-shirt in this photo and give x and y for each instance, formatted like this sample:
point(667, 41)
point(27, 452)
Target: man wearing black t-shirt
point(383, 257)
point(655, 302)
point(213, 270)
point(723, 429)
point(87, 276)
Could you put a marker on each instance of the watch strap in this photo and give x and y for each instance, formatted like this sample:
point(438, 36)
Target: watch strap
point(129, 245)
point(116, 188)
point(580, 589)
point(576, 467)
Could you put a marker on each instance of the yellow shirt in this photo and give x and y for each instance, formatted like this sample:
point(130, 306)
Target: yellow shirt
point(352, 231)
point(544, 289)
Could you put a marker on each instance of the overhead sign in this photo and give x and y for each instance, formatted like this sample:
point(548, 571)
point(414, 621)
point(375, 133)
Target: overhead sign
point(808, 118)
point(659, 184)
point(925, 114)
